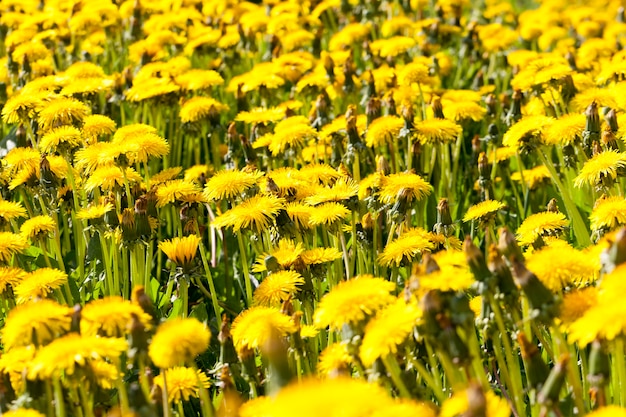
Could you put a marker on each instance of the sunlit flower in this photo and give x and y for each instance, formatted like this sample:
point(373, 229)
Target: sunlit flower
point(334, 359)
point(64, 136)
point(460, 404)
point(527, 132)
point(10, 244)
point(408, 184)
point(561, 266)
point(253, 327)
point(277, 287)
point(62, 111)
point(35, 322)
point(178, 341)
point(287, 253)
point(565, 130)
point(600, 167)
point(382, 130)
point(109, 177)
point(10, 210)
point(38, 226)
point(198, 79)
point(110, 316)
point(181, 250)
point(261, 115)
point(178, 190)
point(198, 108)
point(328, 214)
point(540, 225)
point(39, 283)
point(576, 303)
point(343, 189)
point(483, 211)
point(608, 213)
point(437, 130)
point(256, 213)
point(411, 243)
point(533, 177)
point(182, 383)
point(96, 211)
point(228, 184)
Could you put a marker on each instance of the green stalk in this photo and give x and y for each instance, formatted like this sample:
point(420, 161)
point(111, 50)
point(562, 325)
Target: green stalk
point(246, 273)
point(391, 364)
point(59, 404)
point(620, 364)
point(209, 277)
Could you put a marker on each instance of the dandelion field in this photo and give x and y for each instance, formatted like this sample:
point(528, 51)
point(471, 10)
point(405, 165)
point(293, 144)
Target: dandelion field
point(337, 207)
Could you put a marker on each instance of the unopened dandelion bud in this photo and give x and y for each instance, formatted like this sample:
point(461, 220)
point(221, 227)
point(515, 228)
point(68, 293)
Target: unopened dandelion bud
point(549, 393)
point(621, 14)
point(444, 225)
point(242, 101)
point(371, 85)
point(110, 217)
point(609, 139)
point(540, 298)
point(611, 120)
point(536, 369)
point(599, 364)
point(127, 223)
point(476, 261)
point(492, 105)
point(431, 305)
point(569, 156)
point(435, 104)
point(515, 112)
point(353, 133)
point(382, 165)
point(138, 336)
point(497, 266)
point(329, 66)
point(391, 106)
point(484, 168)
point(228, 354)
point(507, 245)
point(591, 133)
point(373, 109)
point(46, 176)
point(142, 223)
point(568, 89)
point(348, 72)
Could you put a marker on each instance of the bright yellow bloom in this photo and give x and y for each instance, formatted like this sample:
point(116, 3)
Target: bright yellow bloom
point(228, 184)
point(565, 130)
point(261, 115)
point(199, 108)
point(97, 125)
point(437, 130)
point(63, 136)
point(182, 383)
point(62, 111)
point(575, 304)
point(256, 213)
point(38, 226)
point(287, 253)
point(38, 284)
point(560, 266)
point(178, 190)
point(10, 244)
point(483, 210)
point(533, 177)
point(453, 274)
point(95, 211)
point(110, 316)
point(385, 332)
point(382, 130)
point(320, 256)
point(328, 214)
point(109, 177)
point(23, 412)
point(181, 250)
point(10, 210)
point(343, 189)
point(10, 276)
point(608, 411)
point(198, 79)
point(352, 301)
point(178, 341)
point(411, 243)
point(459, 404)
point(277, 287)
point(334, 359)
point(410, 185)
point(608, 213)
point(253, 327)
point(541, 224)
point(601, 166)
point(41, 320)
point(65, 353)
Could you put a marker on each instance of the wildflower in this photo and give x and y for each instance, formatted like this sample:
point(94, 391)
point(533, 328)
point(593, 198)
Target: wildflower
point(608, 213)
point(97, 125)
point(10, 210)
point(253, 327)
point(65, 353)
point(109, 177)
point(290, 133)
point(127, 132)
point(453, 273)
point(177, 190)
point(38, 226)
point(229, 184)
point(464, 402)
point(527, 132)
point(21, 107)
point(602, 96)
point(198, 79)
point(343, 189)
point(199, 108)
point(334, 360)
point(601, 168)
point(539, 225)
point(350, 302)
point(567, 129)
point(151, 88)
point(415, 72)
point(39, 283)
point(560, 266)
point(66, 137)
point(300, 214)
point(261, 115)
point(181, 250)
point(62, 111)
point(328, 214)
point(608, 411)
point(277, 287)
point(437, 130)
point(382, 130)
point(110, 316)
point(178, 341)
point(96, 211)
point(412, 186)
point(23, 412)
point(255, 213)
point(533, 177)
point(463, 110)
point(385, 332)
point(320, 256)
point(496, 37)
point(576, 303)
point(14, 361)
point(286, 253)
point(182, 383)
point(483, 211)
point(406, 247)
point(10, 244)
point(393, 46)
point(35, 322)
point(10, 276)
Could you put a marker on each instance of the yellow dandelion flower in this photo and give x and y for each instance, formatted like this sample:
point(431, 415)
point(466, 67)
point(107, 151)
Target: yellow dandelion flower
point(62, 111)
point(23, 412)
point(287, 253)
point(496, 37)
point(253, 327)
point(410, 244)
point(412, 186)
point(600, 166)
point(261, 115)
point(334, 359)
point(561, 266)
point(502, 154)
point(64, 136)
point(541, 71)
point(10, 244)
point(437, 130)
point(198, 79)
point(608, 213)
point(300, 214)
point(533, 177)
point(575, 304)
point(565, 130)
point(178, 341)
point(97, 125)
point(38, 226)
point(608, 411)
point(200, 108)
point(228, 184)
point(176, 190)
point(393, 46)
point(182, 383)
point(181, 250)
point(10, 275)
point(463, 110)
point(110, 316)
point(87, 86)
point(22, 107)
point(528, 131)
point(97, 154)
point(194, 173)
point(484, 210)
point(104, 373)
point(63, 354)
point(164, 176)
point(151, 88)
point(13, 362)
point(38, 284)
point(382, 130)
point(256, 213)
point(291, 133)
point(351, 302)
point(320, 173)
point(403, 407)
point(109, 177)
point(96, 211)
point(40, 321)
point(343, 189)
point(10, 210)
point(453, 274)
point(328, 214)
point(127, 132)
point(277, 287)
point(415, 72)
point(604, 97)
point(459, 404)
point(320, 256)
point(540, 225)
point(139, 148)
point(385, 332)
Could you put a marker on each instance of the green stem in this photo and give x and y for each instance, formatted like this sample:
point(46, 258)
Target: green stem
point(394, 371)
point(246, 273)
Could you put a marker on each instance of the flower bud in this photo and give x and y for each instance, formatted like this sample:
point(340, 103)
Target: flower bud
point(536, 369)
point(549, 393)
